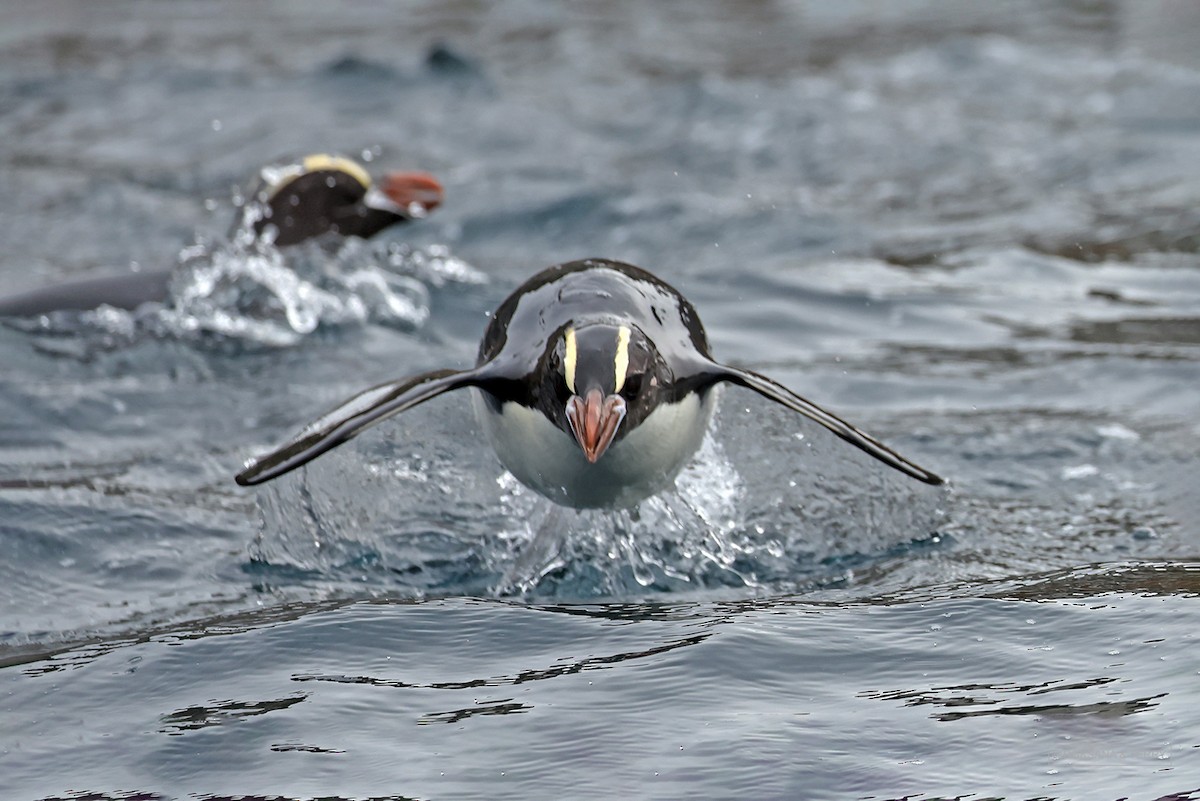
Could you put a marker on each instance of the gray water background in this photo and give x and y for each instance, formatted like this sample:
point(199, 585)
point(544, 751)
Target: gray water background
point(971, 229)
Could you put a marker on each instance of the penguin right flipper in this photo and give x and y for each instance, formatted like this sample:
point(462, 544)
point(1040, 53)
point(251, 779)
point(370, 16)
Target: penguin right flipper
point(352, 417)
point(775, 391)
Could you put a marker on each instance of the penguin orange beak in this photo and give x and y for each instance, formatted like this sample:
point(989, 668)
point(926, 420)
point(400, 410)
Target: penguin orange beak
point(415, 193)
point(594, 421)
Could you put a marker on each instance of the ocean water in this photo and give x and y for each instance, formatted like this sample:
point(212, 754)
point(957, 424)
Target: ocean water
point(971, 230)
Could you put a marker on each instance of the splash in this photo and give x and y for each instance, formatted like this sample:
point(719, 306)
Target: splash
point(337, 524)
point(246, 291)
point(261, 295)
point(683, 539)
point(426, 521)
point(413, 510)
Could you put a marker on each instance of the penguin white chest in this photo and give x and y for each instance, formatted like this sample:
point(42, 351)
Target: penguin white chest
point(645, 461)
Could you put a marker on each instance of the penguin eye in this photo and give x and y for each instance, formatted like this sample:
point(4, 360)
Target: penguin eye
point(633, 385)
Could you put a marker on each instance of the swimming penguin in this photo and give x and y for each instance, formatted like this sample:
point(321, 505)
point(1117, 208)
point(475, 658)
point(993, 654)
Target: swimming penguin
point(323, 193)
point(594, 383)
point(316, 195)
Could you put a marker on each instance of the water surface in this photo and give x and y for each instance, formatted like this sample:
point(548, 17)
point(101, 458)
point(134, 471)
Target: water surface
point(971, 231)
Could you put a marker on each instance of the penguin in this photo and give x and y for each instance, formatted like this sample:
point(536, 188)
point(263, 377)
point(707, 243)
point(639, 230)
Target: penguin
point(323, 193)
point(295, 202)
point(594, 383)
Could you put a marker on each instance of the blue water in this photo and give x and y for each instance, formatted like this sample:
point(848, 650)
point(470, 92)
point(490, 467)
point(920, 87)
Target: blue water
point(971, 230)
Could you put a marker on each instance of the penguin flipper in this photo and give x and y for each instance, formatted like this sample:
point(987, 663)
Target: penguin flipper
point(775, 391)
point(352, 417)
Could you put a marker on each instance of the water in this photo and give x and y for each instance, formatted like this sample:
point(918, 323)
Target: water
point(971, 231)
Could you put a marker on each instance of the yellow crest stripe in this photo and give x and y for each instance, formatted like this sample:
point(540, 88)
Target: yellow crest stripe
point(323, 161)
point(569, 358)
point(622, 361)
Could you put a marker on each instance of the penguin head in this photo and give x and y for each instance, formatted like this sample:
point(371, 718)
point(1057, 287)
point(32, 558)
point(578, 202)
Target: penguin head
point(605, 377)
point(329, 193)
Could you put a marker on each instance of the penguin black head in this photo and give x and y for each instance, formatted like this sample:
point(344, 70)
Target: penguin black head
point(333, 194)
point(600, 380)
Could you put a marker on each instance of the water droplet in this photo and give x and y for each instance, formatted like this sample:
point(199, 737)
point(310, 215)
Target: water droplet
point(216, 125)
point(1118, 431)
point(1079, 471)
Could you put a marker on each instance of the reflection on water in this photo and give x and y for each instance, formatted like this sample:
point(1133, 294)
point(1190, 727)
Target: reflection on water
point(591, 663)
point(220, 713)
point(771, 675)
point(976, 695)
point(1135, 331)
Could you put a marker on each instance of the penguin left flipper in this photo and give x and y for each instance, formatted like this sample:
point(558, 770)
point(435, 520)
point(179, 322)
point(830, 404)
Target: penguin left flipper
point(860, 439)
point(351, 418)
